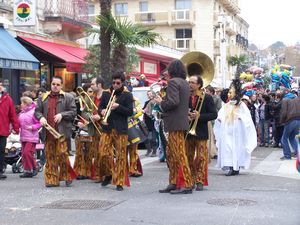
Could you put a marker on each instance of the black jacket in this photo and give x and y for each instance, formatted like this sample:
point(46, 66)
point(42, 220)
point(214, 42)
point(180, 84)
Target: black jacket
point(118, 118)
point(208, 112)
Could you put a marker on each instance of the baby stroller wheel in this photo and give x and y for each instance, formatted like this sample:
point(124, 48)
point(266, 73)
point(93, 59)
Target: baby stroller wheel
point(14, 168)
point(40, 166)
point(20, 167)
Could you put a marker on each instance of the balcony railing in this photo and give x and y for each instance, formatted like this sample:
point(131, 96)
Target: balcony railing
point(231, 5)
point(152, 18)
point(185, 16)
point(76, 10)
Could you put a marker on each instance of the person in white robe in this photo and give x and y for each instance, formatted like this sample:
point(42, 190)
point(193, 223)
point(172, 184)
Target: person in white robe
point(235, 133)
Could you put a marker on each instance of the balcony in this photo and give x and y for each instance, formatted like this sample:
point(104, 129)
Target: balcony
point(185, 16)
point(152, 18)
point(231, 6)
point(69, 16)
point(6, 6)
point(230, 29)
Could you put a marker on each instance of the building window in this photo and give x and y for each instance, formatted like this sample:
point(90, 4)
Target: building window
point(183, 33)
point(143, 6)
point(121, 9)
point(183, 4)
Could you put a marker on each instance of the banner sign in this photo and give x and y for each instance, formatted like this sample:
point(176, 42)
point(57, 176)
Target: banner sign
point(24, 12)
point(18, 65)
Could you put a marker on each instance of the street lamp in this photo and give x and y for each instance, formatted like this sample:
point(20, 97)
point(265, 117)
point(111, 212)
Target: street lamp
point(222, 20)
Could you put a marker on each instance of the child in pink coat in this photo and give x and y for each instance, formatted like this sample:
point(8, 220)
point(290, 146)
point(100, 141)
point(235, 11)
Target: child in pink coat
point(29, 136)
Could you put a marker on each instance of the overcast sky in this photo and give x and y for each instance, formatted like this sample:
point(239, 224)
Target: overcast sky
point(271, 21)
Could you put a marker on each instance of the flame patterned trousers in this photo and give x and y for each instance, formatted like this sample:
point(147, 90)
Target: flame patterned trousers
point(133, 159)
point(58, 167)
point(197, 154)
point(84, 158)
point(114, 144)
point(177, 159)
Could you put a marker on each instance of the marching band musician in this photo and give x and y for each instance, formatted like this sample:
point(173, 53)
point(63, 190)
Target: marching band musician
point(101, 167)
point(117, 105)
point(57, 109)
point(196, 145)
point(84, 151)
point(135, 168)
point(175, 109)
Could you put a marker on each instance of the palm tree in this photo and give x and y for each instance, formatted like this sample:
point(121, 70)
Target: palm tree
point(123, 34)
point(105, 40)
point(240, 62)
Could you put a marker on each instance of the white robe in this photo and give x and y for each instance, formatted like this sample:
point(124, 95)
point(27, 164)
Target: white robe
point(235, 138)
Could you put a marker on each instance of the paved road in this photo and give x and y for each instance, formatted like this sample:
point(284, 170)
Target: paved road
point(267, 194)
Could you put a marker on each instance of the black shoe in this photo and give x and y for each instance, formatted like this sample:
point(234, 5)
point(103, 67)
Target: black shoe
point(26, 175)
point(169, 188)
point(136, 175)
point(107, 181)
point(68, 183)
point(233, 172)
point(199, 187)
point(182, 191)
point(119, 188)
point(2, 176)
point(51, 185)
point(79, 177)
point(285, 158)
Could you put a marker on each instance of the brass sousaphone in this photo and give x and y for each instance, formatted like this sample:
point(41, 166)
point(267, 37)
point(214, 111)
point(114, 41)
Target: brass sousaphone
point(198, 63)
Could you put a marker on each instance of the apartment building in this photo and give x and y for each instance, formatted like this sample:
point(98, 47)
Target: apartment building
point(209, 26)
point(53, 40)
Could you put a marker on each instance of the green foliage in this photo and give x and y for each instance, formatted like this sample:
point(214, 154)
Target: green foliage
point(241, 62)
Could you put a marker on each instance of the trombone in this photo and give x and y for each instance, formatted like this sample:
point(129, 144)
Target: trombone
point(111, 101)
point(55, 134)
point(82, 94)
point(193, 124)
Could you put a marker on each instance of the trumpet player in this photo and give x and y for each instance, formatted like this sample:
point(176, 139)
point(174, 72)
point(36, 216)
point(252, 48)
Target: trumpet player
point(56, 111)
point(202, 110)
point(116, 106)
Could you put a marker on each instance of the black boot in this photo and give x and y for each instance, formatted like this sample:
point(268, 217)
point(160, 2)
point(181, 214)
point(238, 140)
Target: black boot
point(106, 181)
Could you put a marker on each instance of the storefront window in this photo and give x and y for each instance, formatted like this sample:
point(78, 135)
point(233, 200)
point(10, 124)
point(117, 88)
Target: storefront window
point(45, 76)
point(29, 81)
point(68, 78)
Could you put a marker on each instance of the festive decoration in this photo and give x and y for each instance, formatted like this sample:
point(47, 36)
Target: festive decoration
point(282, 75)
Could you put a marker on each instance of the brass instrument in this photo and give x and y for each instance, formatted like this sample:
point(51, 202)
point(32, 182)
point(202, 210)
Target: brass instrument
point(82, 94)
point(55, 134)
point(193, 125)
point(111, 101)
point(198, 63)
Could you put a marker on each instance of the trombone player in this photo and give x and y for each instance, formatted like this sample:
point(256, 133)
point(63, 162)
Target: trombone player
point(116, 106)
point(202, 110)
point(56, 111)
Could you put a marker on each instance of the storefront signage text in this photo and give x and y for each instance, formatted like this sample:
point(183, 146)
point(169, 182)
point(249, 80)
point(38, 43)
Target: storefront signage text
point(17, 64)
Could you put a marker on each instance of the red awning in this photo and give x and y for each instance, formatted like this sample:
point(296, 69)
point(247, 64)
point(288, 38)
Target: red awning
point(72, 56)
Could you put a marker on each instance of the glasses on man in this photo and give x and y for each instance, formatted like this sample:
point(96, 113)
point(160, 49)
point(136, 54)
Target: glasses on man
point(90, 91)
point(116, 82)
point(192, 82)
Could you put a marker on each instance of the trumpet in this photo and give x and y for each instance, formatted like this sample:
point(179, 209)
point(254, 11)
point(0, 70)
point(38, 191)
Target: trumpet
point(111, 101)
point(90, 108)
point(55, 134)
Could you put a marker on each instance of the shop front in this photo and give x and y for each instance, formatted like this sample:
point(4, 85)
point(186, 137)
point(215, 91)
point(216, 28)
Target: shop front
point(19, 69)
point(57, 60)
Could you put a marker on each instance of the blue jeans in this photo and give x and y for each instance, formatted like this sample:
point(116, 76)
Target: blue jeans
point(291, 129)
point(265, 131)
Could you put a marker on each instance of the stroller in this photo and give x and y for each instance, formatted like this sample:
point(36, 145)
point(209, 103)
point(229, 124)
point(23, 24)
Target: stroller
point(13, 155)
